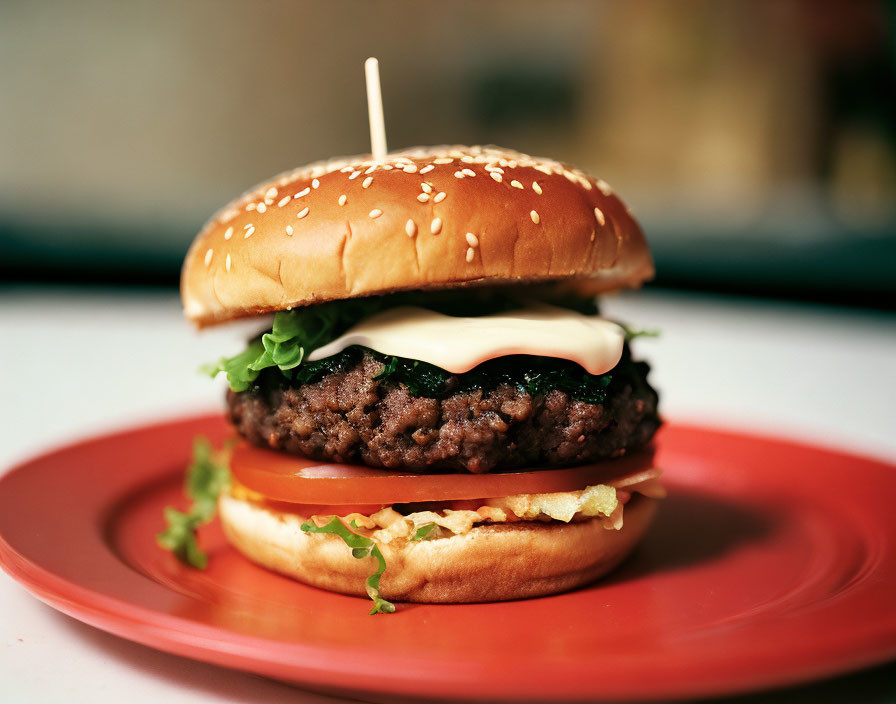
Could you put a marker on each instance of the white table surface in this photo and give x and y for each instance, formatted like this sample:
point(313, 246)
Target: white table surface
point(112, 359)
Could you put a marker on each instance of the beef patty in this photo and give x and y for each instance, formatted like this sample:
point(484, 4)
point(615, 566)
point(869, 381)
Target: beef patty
point(349, 415)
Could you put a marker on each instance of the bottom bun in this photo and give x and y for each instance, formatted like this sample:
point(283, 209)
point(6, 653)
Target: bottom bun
point(488, 563)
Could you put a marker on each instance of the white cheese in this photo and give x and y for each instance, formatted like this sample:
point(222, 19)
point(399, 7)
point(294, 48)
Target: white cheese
point(459, 344)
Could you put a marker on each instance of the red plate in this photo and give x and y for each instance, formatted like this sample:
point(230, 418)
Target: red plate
point(770, 563)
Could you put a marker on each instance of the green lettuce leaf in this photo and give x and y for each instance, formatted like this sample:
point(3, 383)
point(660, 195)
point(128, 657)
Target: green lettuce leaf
point(422, 533)
point(295, 334)
point(361, 547)
point(240, 373)
point(207, 476)
point(632, 333)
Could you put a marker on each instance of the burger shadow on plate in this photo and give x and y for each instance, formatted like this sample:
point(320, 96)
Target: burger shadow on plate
point(691, 528)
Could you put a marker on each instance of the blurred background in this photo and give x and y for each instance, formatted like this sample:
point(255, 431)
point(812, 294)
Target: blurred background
point(756, 141)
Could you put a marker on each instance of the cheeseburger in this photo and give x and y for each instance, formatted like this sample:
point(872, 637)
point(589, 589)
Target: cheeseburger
point(434, 410)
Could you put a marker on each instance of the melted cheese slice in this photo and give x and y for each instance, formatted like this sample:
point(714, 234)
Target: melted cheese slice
point(459, 344)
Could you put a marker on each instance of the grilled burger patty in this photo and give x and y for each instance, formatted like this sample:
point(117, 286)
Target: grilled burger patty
point(474, 422)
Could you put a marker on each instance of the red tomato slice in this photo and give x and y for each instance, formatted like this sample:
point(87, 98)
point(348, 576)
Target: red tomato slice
point(306, 510)
point(293, 479)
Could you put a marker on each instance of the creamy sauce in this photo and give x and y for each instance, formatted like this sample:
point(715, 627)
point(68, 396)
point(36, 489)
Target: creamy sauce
point(459, 344)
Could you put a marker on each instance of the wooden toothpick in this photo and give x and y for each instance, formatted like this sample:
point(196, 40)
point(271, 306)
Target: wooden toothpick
point(375, 110)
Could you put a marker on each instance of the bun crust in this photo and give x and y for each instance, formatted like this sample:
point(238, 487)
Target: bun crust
point(426, 218)
point(489, 563)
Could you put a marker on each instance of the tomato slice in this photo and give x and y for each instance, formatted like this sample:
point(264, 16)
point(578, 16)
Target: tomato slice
point(306, 510)
point(293, 479)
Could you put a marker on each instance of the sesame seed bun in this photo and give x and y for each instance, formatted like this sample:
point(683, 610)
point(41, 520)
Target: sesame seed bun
point(436, 217)
point(488, 563)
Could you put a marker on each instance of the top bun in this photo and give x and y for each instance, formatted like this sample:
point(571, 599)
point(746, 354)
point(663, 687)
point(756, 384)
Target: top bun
point(429, 217)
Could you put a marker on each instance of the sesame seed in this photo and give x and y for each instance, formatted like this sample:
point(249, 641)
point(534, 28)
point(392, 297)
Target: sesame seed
point(289, 230)
point(467, 159)
point(440, 196)
point(471, 253)
point(261, 207)
point(354, 175)
point(458, 174)
point(375, 213)
point(315, 183)
point(423, 197)
point(442, 160)
point(410, 169)
point(472, 240)
point(536, 218)
point(411, 228)
point(301, 194)
point(425, 187)
point(599, 214)
point(468, 172)
point(436, 226)
point(250, 229)
point(283, 201)
point(371, 169)
point(604, 187)
point(272, 193)
point(426, 169)
point(496, 169)
point(342, 199)
point(346, 169)
point(302, 213)
point(208, 257)
point(516, 184)
point(227, 262)
point(228, 233)
point(495, 175)
point(251, 206)
point(366, 182)
point(387, 167)
point(536, 187)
